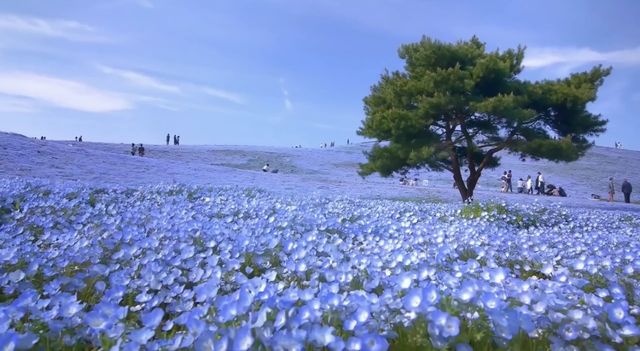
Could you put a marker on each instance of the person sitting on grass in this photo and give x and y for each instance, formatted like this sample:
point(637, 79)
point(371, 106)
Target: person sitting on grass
point(550, 189)
point(561, 192)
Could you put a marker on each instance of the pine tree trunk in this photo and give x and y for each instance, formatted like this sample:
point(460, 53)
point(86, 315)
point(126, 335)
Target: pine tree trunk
point(472, 181)
point(462, 187)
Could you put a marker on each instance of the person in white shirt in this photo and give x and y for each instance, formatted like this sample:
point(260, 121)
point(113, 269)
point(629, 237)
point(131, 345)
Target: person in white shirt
point(265, 168)
point(529, 185)
point(520, 186)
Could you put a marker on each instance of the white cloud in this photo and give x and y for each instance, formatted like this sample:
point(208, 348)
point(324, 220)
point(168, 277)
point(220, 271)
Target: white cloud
point(139, 79)
point(573, 57)
point(146, 3)
point(55, 28)
point(157, 102)
point(15, 105)
point(225, 95)
point(287, 101)
point(61, 92)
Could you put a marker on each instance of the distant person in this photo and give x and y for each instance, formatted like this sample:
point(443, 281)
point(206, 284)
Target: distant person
point(76, 138)
point(540, 184)
point(520, 186)
point(80, 139)
point(133, 149)
point(626, 190)
point(503, 182)
point(551, 190)
point(175, 139)
point(509, 185)
point(168, 137)
point(347, 141)
point(529, 185)
point(561, 192)
point(178, 140)
point(612, 189)
point(141, 150)
point(265, 168)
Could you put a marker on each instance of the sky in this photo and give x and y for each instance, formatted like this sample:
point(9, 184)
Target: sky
point(276, 72)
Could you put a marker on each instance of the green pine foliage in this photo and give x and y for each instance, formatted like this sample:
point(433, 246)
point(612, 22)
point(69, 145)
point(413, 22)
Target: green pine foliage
point(457, 105)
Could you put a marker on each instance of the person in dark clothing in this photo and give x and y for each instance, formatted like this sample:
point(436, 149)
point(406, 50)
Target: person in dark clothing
point(562, 192)
point(550, 189)
point(141, 150)
point(178, 140)
point(626, 190)
point(80, 139)
point(175, 139)
point(540, 184)
point(168, 137)
point(509, 184)
point(134, 149)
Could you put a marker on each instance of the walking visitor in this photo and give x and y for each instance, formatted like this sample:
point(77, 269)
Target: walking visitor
point(529, 185)
point(612, 189)
point(626, 190)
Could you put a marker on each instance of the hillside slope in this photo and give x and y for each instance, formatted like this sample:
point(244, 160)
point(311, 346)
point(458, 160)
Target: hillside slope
point(301, 171)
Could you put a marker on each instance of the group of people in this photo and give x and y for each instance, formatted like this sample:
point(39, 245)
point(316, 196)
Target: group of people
point(331, 144)
point(267, 169)
point(79, 139)
point(530, 185)
point(625, 188)
point(176, 139)
point(137, 149)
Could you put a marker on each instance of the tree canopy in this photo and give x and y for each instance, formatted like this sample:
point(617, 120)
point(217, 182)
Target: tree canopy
point(457, 105)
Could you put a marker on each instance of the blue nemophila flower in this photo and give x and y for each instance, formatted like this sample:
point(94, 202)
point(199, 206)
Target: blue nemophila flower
point(206, 342)
point(413, 299)
point(404, 280)
point(616, 312)
point(96, 320)
point(321, 336)
point(629, 330)
point(243, 339)
point(451, 327)
point(141, 336)
point(152, 319)
point(569, 332)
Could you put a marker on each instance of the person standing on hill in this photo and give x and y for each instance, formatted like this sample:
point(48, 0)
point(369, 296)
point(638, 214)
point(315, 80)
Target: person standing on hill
point(520, 186)
point(612, 189)
point(529, 185)
point(626, 190)
point(540, 183)
point(168, 137)
point(134, 149)
point(509, 182)
point(141, 150)
point(503, 182)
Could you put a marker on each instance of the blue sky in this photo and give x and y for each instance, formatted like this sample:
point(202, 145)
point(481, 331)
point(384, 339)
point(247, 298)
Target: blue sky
point(275, 72)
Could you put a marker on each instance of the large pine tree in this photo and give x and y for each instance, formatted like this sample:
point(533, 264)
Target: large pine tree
point(457, 106)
